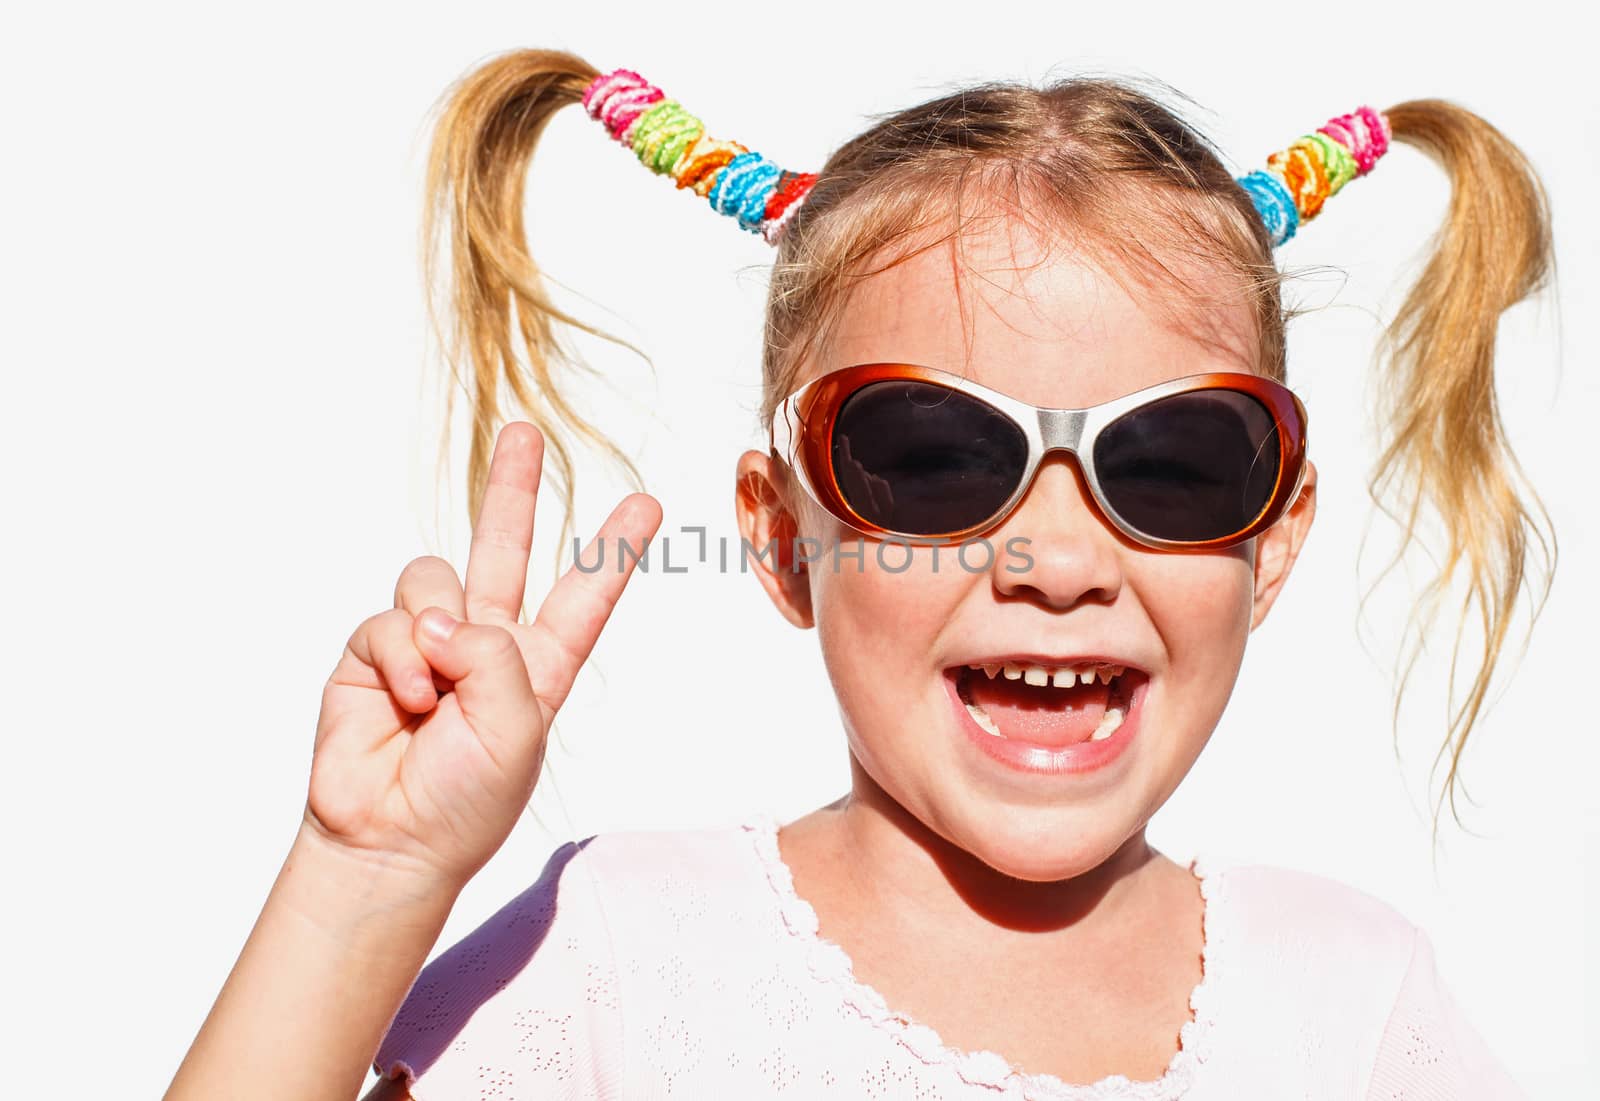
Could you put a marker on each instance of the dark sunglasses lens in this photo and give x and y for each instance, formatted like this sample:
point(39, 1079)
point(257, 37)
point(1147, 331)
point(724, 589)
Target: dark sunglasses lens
point(920, 459)
point(1192, 467)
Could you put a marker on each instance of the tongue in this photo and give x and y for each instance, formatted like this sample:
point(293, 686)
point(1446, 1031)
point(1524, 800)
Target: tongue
point(1046, 716)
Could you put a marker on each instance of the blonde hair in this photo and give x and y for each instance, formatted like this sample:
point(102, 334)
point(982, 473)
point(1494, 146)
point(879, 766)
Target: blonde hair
point(1109, 165)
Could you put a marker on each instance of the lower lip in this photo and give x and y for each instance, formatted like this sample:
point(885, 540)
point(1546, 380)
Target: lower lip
point(1081, 757)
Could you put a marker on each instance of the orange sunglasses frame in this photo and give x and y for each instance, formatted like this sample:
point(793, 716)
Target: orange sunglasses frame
point(802, 431)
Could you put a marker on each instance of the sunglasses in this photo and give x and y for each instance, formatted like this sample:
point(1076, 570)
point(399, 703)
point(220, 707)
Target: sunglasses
point(893, 449)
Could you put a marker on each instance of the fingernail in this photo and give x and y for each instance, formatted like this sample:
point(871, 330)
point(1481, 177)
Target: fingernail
point(437, 625)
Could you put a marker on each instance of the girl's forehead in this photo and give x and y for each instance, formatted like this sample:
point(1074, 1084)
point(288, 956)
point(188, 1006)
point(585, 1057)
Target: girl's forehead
point(1043, 321)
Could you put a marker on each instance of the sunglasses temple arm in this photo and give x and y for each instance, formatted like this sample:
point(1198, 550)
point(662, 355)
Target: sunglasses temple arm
point(781, 438)
point(1305, 452)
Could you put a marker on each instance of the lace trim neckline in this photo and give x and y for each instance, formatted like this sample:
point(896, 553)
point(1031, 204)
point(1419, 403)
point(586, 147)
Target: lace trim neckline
point(832, 966)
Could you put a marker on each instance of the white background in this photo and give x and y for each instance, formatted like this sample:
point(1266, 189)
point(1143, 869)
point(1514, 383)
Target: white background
point(220, 433)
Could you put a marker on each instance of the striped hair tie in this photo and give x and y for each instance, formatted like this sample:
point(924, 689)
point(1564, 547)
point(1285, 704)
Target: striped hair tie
point(670, 141)
point(1299, 179)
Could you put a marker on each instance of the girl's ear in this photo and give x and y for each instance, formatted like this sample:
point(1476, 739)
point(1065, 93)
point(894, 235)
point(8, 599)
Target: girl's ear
point(769, 531)
point(1279, 546)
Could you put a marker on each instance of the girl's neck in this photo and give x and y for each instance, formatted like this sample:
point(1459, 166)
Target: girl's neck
point(1078, 978)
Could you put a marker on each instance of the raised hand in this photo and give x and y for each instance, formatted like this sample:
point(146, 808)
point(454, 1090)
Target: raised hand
point(434, 723)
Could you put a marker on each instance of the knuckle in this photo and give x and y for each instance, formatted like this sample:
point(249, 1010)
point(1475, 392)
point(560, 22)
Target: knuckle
point(491, 640)
point(562, 646)
point(389, 630)
point(490, 609)
point(495, 535)
point(393, 620)
point(368, 628)
point(419, 571)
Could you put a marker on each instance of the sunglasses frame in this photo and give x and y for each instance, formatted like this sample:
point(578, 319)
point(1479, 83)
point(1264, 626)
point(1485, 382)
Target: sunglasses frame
point(802, 428)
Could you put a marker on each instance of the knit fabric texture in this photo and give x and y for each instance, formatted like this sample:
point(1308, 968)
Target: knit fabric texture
point(682, 964)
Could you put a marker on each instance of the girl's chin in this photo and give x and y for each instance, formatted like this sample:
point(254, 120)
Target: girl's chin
point(1045, 846)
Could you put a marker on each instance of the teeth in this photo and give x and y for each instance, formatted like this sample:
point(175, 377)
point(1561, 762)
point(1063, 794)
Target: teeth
point(1108, 725)
point(1063, 676)
point(981, 717)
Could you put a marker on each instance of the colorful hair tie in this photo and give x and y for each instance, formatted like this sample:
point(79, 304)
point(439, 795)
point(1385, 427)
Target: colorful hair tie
point(763, 197)
point(1299, 179)
point(671, 142)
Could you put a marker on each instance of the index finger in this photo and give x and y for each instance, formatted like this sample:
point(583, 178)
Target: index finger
point(502, 537)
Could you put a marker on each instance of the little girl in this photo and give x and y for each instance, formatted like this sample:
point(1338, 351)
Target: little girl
point(1034, 477)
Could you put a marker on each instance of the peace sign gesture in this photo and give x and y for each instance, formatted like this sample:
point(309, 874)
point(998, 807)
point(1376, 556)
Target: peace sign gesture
point(434, 723)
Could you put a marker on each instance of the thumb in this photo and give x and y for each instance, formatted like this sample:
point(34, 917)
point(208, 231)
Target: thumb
point(491, 680)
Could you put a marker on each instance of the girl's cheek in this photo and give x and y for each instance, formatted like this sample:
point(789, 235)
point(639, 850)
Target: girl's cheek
point(1198, 607)
point(882, 597)
point(877, 630)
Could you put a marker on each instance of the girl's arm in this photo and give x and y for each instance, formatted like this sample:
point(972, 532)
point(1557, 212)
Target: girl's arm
point(336, 947)
point(428, 746)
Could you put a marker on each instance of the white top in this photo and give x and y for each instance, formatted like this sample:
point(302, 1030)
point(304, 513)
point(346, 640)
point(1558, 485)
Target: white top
point(682, 964)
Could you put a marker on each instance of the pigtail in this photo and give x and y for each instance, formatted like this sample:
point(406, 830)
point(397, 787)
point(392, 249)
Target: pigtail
point(497, 323)
point(1446, 442)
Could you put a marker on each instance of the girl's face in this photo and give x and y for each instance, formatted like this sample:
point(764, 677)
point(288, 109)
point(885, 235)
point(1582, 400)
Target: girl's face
point(1038, 322)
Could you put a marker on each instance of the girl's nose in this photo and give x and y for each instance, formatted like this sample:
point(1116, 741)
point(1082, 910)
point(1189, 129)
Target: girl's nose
point(1055, 548)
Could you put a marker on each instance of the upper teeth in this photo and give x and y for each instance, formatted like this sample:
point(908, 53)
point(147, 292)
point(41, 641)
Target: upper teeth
point(1062, 676)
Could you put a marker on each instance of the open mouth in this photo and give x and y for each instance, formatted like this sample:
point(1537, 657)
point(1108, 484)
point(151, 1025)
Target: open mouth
point(1047, 705)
